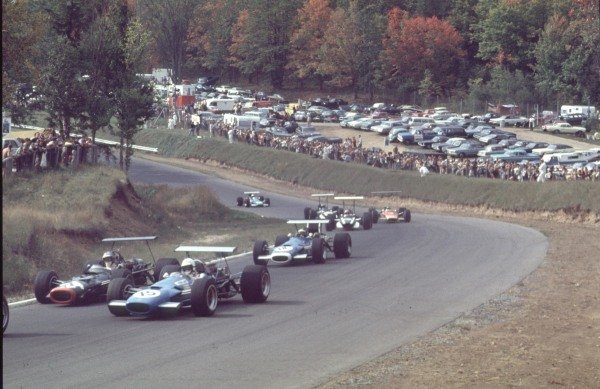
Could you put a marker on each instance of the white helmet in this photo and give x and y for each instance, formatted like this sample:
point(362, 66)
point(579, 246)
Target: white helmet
point(187, 266)
point(301, 232)
point(111, 258)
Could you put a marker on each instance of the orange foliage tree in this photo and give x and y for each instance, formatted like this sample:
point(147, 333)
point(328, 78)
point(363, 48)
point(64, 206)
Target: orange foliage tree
point(306, 40)
point(418, 46)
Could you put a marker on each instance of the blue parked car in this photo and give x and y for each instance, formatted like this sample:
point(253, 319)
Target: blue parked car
point(197, 284)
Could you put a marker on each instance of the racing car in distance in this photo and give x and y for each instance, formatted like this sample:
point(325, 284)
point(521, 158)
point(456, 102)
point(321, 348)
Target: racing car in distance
point(197, 284)
point(349, 220)
point(92, 284)
point(253, 199)
point(322, 212)
point(302, 246)
point(390, 215)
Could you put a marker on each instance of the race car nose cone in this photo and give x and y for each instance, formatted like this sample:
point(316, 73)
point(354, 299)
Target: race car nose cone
point(63, 296)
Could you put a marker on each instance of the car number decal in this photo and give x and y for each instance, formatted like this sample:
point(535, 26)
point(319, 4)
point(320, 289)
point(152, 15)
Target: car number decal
point(148, 293)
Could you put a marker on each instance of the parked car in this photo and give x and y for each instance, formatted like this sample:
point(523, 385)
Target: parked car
point(515, 155)
point(428, 143)
point(510, 120)
point(367, 124)
point(564, 128)
point(414, 135)
point(385, 127)
point(306, 131)
point(466, 149)
point(490, 150)
point(552, 148)
point(495, 138)
point(451, 142)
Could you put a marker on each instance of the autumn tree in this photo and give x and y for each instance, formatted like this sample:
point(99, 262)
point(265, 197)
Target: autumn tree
point(209, 36)
point(306, 40)
point(414, 46)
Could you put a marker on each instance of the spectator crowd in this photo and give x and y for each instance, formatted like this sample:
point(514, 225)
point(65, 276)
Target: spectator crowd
point(351, 150)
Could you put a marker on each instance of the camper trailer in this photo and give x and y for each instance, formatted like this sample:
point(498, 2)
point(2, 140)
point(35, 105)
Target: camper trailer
point(586, 110)
point(220, 105)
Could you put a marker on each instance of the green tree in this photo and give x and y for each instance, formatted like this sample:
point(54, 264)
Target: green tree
point(169, 23)
point(22, 29)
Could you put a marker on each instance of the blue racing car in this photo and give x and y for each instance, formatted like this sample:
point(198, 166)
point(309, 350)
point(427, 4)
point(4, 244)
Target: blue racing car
point(197, 284)
point(303, 246)
point(253, 199)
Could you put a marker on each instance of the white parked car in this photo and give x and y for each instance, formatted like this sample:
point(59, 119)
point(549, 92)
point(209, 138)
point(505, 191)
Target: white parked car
point(564, 128)
point(552, 148)
point(510, 120)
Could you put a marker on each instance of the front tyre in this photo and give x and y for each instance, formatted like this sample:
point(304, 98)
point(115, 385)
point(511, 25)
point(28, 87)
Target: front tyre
point(118, 289)
point(367, 220)
point(255, 284)
point(240, 201)
point(317, 250)
point(407, 216)
point(44, 282)
point(342, 245)
point(204, 297)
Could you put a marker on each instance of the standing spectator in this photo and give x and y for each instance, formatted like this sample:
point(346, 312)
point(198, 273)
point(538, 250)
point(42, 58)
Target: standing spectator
point(6, 158)
point(531, 123)
point(230, 135)
point(359, 142)
point(542, 172)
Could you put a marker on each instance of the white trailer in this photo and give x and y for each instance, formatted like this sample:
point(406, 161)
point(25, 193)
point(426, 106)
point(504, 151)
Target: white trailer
point(587, 110)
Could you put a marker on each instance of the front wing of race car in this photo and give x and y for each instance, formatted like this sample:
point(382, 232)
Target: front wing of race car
point(165, 297)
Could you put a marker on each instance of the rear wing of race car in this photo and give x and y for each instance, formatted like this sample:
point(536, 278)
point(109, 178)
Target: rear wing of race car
point(251, 192)
point(146, 239)
point(309, 222)
point(323, 194)
point(221, 251)
point(349, 198)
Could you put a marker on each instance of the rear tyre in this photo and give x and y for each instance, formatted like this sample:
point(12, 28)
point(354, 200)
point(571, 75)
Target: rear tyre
point(374, 215)
point(240, 201)
point(331, 225)
point(318, 250)
point(247, 203)
point(162, 262)
point(342, 245)
point(44, 282)
point(268, 202)
point(204, 297)
point(168, 270)
point(255, 284)
point(280, 239)
point(306, 213)
point(260, 248)
point(118, 289)
point(367, 221)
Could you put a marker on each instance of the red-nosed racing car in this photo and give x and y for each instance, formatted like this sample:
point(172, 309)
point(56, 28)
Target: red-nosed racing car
point(92, 284)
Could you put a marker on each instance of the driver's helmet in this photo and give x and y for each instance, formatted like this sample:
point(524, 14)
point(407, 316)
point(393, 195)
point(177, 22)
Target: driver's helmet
point(302, 232)
point(187, 266)
point(112, 258)
point(346, 212)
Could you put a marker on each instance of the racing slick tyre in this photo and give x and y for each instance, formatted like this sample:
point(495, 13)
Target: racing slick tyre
point(336, 209)
point(317, 250)
point(306, 213)
point(247, 203)
point(374, 215)
point(260, 248)
point(367, 220)
point(280, 239)
point(407, 216)
point(255, 284)
point(162, 262)
point(168, 269)
point(312, 215)
point(5, 314)
point(312, 228)
point(261, 198)
point(267, 202)
point(90, 263)
point(342, 245)
point(240, 201)
point(331, 225)
point(44, 282)
point(118, 289)
point(204, 296)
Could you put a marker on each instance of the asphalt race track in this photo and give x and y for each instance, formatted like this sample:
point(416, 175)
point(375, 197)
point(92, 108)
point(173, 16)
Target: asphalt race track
point(402, 281)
